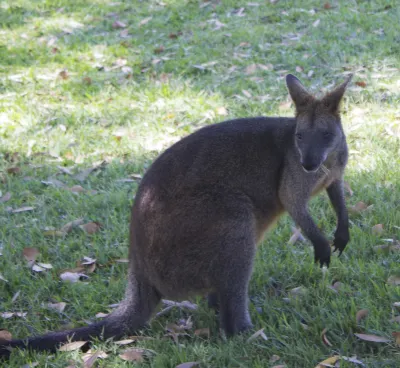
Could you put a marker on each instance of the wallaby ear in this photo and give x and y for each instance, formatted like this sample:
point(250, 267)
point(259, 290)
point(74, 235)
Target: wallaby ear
point(300, 96)
point(332, 99)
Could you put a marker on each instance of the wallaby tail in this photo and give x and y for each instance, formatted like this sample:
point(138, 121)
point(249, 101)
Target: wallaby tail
point(131, 315)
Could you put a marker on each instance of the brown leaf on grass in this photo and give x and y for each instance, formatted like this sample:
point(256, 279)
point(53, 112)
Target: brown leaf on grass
point(5, 336)
point(30, 254)
point(393, 280)
point(54, 182)
point(327, 6)
point(251, 69)
point(38, 268)
point(14, 170)
point(63, 74)
point(5, 198)
point(59, 307)
point(279, 366)
point(101, 315)
point(361, 314)
point(361, 84)
point(328, 362)
point(118, 25)
point(122, 260)
point(72, 276)
point(72, 346)
point(82, 175)
point(358, 207)
point(299, 69)
point(274, 358)
point(266, 67)
point(396, 336)
point(87, 80)
point(133, 355)
point(91, 227)
point(89, 358)
point(324, 338)
point(296, 236)
point(246, 93)
point(298, 291)
point(222, 111)
point(337, 286)
point(71, 225)
point(159, 49)
point(202, 332)
point(316, 23)
point(22, 209)
point(76, 189)
point(53, 233)
point(346, 186)
point(8, 315)
point(173, 36)
point(145, 21)
point(188, 365)
point(377, 229)
point(124, 342)
point(259, 333)
point(372, 338)
point(88, 261)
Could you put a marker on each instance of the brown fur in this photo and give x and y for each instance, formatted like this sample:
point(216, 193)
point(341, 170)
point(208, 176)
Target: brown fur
point(206, 201)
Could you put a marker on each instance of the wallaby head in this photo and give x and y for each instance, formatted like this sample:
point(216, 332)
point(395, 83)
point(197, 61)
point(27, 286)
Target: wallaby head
point(318, 127)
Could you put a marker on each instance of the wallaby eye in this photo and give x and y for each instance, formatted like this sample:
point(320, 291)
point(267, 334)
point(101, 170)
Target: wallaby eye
point(299, 136)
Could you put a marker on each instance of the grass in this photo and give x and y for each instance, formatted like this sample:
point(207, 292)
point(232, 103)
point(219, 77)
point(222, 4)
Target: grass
point(126, 94)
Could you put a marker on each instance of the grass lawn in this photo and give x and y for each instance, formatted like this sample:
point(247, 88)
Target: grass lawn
point(84, 82)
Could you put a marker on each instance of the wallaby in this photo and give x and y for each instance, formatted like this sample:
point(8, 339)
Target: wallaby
point(206, 201)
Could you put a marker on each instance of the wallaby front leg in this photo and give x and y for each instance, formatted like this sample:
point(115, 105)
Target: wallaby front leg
point(322, 249)
point(336, 196)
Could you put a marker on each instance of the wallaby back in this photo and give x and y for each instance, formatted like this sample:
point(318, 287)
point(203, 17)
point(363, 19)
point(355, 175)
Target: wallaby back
point(206, 201)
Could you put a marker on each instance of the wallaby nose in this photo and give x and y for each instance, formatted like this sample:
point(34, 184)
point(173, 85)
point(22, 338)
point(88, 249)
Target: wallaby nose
point(310, 166)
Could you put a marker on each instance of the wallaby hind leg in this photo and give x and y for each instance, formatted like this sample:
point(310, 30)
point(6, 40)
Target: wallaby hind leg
point(141, 300)
point(233, 287)
point(213, 301)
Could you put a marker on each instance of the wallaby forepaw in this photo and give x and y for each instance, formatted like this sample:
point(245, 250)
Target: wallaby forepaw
point(323, 256)
point(340, 241)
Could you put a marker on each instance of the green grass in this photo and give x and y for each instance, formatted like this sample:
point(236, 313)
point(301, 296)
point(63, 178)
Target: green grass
point(124, 101)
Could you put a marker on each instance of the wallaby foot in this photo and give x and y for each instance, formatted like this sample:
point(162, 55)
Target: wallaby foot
point(234, 313)
point(322, 254)
point(341, 239)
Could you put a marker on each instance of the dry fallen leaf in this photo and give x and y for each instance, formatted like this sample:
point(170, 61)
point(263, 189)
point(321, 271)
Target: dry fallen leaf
point(251, 69)
point(101, 315)
point(6, 197)
point(5, 335)
point(316, 23)
point(222, 111)
point(118, 25)
point(30, 254)
point(372, 338)
point(361, 84)
point(393, 280)
point(328, 362)
point(259, 333)
point(361, 314)
point(298, 291)
point(72, 276)
point(377, 229)
point(2, 278)
point(72, 346)
point(296, 236)
point(8, 315)
point(76, 189)
point(89, 358)
point(59, 307)
point(14, 170)
point(203, 332)
point(324, 338)
point(37, 268)
point(124, 342)
point(327, 6)
point(396, 304)
point(91, 227)
point(63, 74)
point(22, 209)
point(274, 358)
point(358, 207)
point(70, 225)
point(145, 21)
point(133, 355)
point(396, 336)
point(188, 365)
